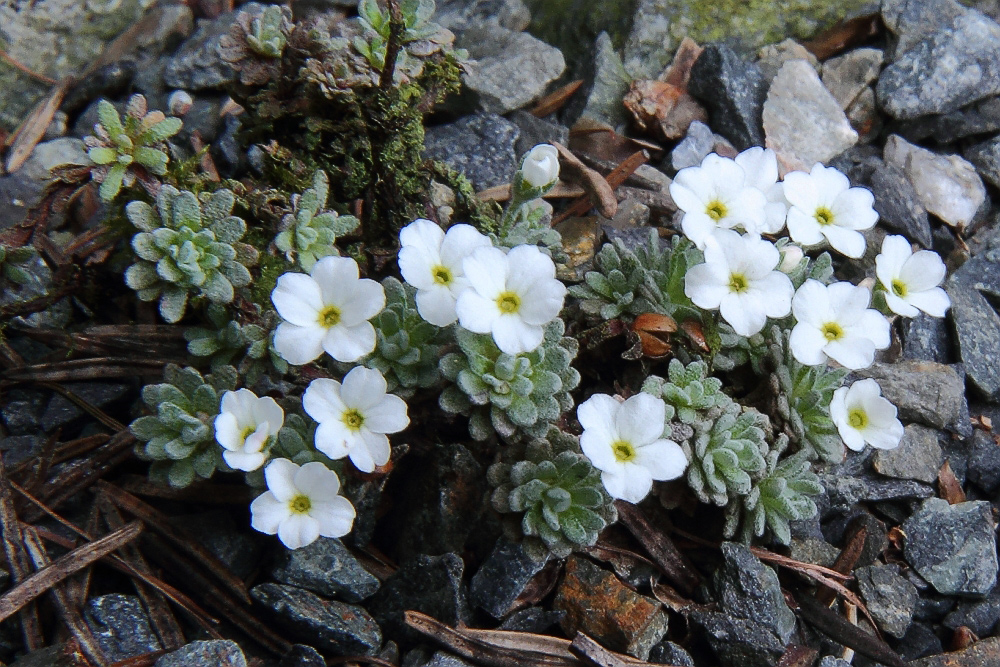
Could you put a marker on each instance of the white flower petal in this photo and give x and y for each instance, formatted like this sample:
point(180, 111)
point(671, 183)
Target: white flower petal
point(332, 274)
point(460, 242)
point(851, 436)
point(267, 513)
point(298, 345)
point(334, 517)
point(875, 327)
point(800, 191)
point(811, 303)
point(317, 482)
point(475, 312)
point(852, 353)
point(639, 420)
point(934, 302)
point(245, 461)
point(807, 343)
point(895, 251)
point(899, 306)
point(760, 165)
point(361, 456)
point(363, 388)
point(745, 315)
point(803, 228)
point(298, 530)
point(227, 432)
point(388, 416)
point(298, 299)
point(684, 197)
point(334, 439)
point(698, 227)
point(359, 301)
point(845, 241)
point(486, 269)
point(280, 477)
point(542, 301)
point(597, 414)
point(663, 458)
point(924, 270)
point(349, 343)
point(515, 336)
point(853, 209)
point(437, 305)
point(704, 285)
point(637, 483)
point(322, 400)
point(775, 291)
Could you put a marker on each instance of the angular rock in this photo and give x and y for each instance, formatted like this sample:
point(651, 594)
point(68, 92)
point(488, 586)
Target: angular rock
point(325, 567)
point(802, 121)
point(927, 338)
point(980, 654)
point(611, 82)
point(580, 238)
point(532, 619)
point(813, 550)
point(480, 146)
point(535, 130)
point(442, 659)
point(197, 65)
point(457, 15)
point(428, 584)
point(22, 411)
point(911, 22)
point(512, 68)
point(770, 58)
point(599, 605)
point(948, 185)
point(121, 626)
point(865, 117)
point(846, 490)
point(699, 142)
point(918, 456)
point(669, 653)
point(953, 547)
point(218, 532)
point(747, 588)
point(739, 642)
point(977, 327)
point(984, 461)
point(18, 448)
point(215, 653)
point(23, 189)
point(979, 118)
point(733, 90)
point(848, 75)
point(337, 628)
point(923, 391)
point(833, 661)
point(302, 656)
point(890, 598)
point(61, 411)
point(502, 577)
point(951, 67)
point(919, 641)
point(986, 157)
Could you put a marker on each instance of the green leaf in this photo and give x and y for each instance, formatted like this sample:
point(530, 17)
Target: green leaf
point(172, 305)
point(108, 116)
point(112, 184)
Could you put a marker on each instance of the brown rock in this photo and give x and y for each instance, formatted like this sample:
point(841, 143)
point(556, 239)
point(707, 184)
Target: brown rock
point(580, 237)
point(662, 108)
point(980, 654)
point(599, 605)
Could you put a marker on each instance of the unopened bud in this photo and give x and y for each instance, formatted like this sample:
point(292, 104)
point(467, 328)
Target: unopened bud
point(791, 255)
point(179, 102)
point(541, 166)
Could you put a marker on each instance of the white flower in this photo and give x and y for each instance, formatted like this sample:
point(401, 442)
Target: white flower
point(355, 416)
point(327, 310)
point(301, 503)
point(760, 165)
point(791, 255)
point(717, 196)
point(834, 321)
point(511, 296)
point(541, 166)
point(431, 261)
point(823, 204)
point(624, 440)
point(862, 415)
point(911, 279)
point(244, 427)
point(739, 278)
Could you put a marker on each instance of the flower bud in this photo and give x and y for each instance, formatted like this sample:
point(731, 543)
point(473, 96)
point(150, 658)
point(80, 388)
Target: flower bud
point(541, 166)
point(179, 102)
point(791, 255)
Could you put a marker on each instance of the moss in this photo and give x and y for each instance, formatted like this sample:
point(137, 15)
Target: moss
point(759, 22)
point(485, 216)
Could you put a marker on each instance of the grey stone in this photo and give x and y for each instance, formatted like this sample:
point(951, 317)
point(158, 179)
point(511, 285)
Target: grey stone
point(918, 456)
point(325, 567)
point(802, 121)
point(457, 15)
point(698, 143)
point(986, 157)
point(535, 130)
point(121, 626)
point(927, 338)
point(43, 657)
point(948, 185)
point(532, 619)
point(747, 588)
point(18, 448)
point(302, 656)
point(219, 534)
point(770, 58)
point(978, 118)
point(980, 616)
point(919, 641)
point(911, 22)
point(512, 68)
point(502, 577)
point(977, 327)
point(739, 642)
point(22, 190)
point(22, 411)
point(61, 411)
point(948, 69)
point(865, 117)
point(442, 659)
point(669, 653)
point(227, 150)
point(923, 391)
point(833, 661)
point(428, 584)
point(57, 38)
point(813, 550)
point(214, 653)
point(733, 90)
point(848, 75)
point(984, 461)
point(335, 627)
point(197, 65)
point(480, 146)
point(953, 547)
point(890, 598)
point(846, 490)
point(611, 82)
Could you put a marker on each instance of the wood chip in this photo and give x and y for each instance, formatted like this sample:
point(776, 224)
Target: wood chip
point(599, 190)
point(556, 99)
point(33, 127)
point(679, 71)
point(844, 35)
point(562, 190)
point(29, 589)
point(949, 487)
point(18, 560)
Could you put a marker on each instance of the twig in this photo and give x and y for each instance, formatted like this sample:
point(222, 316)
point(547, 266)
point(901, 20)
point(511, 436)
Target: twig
point(17, 558)
point(598, 656)
point(396, 27)
point(29, 589)
point(660, 547)
point(852, 616)
point(840, 630)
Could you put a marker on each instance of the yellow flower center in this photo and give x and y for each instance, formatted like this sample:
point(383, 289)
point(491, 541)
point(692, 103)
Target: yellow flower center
point(899, 288)
point(329, 317)
point(716, 210)
point(300, 504)
point(353, 419)
point(857, 418)
point(824, 216)
point(247, 432)
point(832, 331)
point(738, 283)
point(508, 302)
point(442, 275)
point(624, 451)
